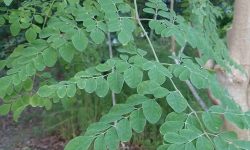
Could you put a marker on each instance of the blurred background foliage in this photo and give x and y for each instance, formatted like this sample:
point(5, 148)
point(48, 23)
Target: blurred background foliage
point(70, 117)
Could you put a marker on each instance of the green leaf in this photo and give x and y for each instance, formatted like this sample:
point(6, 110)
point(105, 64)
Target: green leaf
point(91, 85)
point(102, 87)
point(38, 19)
point(180, 37)
point(110, 118)
point(213, 122)
point(15, 29)
point(47, 104)
point(152, 111)
point(124, 130)
point(164, 14)
point(113, 25)
point(151, 87)
point(22, 75)
point(190, 146)
point(35, 100)
point(50, 57)
point(62, 91)
point(176, 147)
point(2, 22)
point(80, 41)
point(156, 75)
point(3, 63)
point(185, 75)
point(81, 83)
point(111, 139)
point(136, 99)
point(67, 52)
point(4, 109)
point(71, 90)
point(204, 143)
point(17, 112)
point(128, 25)
point(30, 69)
point(174, 138)
point(39, 63)
point(28, 84)
point(242, 144)
point(7, 2)
point(99, 143)
point(197, 80)
point(124, 37)
point(97, 36)
point(236, 119)
point(149, 10)
point(104, 67)
point(163, 147)
point(121, 109)
point(173, 116)
point(79, 143)
point(190, 134)
point(122, 66)
point(177, 102)
point(124, 8)
point(45, 91)
point(30, 34)
point(96, 128)
point(171, 126)
point(133, 76)
point(116, 81)
point(220, 144)
point(137, 121)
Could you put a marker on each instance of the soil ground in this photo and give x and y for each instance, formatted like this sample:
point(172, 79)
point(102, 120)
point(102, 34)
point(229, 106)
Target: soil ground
point(27, 134)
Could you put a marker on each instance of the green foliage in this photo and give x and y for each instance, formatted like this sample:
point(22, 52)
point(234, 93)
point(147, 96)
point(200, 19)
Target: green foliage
point(62, 32)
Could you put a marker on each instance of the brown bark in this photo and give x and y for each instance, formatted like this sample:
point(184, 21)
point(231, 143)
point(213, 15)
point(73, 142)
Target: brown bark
point(237, 83)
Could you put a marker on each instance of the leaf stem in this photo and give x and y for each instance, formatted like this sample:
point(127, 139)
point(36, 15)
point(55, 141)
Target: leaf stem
point(189, 84)
point(111, 56)
point(192, 110)
point(157, 59)
point(144, 31)
point(47, 15)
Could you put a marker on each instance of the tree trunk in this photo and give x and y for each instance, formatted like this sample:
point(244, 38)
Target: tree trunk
point(236, 83)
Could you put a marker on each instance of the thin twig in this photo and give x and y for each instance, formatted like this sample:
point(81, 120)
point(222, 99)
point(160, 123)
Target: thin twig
point(156, 57)
point(111, 56)
point(192, 110)
point(47, 15)
point(144, 31)
point(173, 45)
point(152, 31)
point(196, 95)
point(189, 84)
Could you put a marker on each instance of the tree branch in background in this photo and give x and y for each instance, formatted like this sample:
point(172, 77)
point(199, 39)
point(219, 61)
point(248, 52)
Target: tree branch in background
point(111, 56)
point(189, 84)
point(144, 31)
point(173, 45)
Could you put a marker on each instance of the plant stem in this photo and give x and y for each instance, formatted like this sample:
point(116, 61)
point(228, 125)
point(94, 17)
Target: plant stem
point(144, 31)
point(192, 110)
point(47, 15)
point(156, 58)
point(173, 45)
point(111, 56)
point(189, 84)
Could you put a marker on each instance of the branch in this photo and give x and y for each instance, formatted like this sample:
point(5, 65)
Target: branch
point(153, 50)
point(144, 31)
point(189, 84)
point(173, 45)
point(111, 56)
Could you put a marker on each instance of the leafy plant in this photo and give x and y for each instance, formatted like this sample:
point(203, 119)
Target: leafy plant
point(60, 31)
